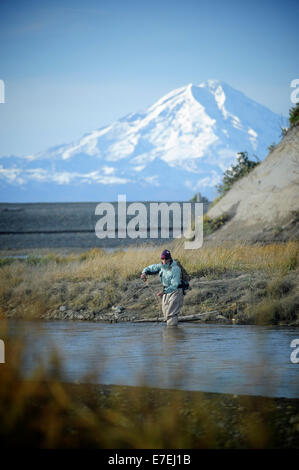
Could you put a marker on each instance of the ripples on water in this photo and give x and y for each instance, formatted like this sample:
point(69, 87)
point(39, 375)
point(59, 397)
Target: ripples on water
point(235, 359)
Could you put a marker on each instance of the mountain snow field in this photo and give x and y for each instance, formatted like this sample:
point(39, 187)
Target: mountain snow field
point(178, 146)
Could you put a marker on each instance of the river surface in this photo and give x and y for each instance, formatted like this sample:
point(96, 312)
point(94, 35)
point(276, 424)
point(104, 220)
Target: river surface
point(236, 359)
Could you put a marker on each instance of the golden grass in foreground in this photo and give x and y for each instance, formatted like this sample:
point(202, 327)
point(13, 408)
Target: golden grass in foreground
point(53, 414)
point(32, 287)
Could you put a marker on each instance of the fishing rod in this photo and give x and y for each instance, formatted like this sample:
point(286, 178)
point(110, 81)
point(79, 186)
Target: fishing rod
point(137, 289)
point(155, 295)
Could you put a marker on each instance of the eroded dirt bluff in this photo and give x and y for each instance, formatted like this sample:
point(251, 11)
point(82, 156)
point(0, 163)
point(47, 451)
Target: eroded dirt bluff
point(264, 206)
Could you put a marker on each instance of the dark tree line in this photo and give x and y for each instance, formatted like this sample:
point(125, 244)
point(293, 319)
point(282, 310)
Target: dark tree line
point(233, 174)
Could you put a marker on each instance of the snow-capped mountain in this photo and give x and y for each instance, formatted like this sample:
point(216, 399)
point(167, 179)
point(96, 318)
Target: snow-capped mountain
point(178, 146)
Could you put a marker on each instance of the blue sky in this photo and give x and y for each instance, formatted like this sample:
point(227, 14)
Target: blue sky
point(71, 66)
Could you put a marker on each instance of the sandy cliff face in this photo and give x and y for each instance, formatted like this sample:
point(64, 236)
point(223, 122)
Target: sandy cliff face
point(265, 204)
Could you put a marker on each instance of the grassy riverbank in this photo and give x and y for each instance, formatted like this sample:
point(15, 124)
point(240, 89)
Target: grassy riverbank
point(43, 413)
point(250, 283)
point(253, 284)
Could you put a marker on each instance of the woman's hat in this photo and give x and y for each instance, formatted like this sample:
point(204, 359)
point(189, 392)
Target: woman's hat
point(165, 254)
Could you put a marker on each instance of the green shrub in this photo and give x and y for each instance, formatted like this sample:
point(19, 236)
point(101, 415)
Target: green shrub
point(279, 287)
point(203, 199)
point(280, 304)
point(268, 312)
point(5, 261)
point(210, 225)
point(230, 176)
point(33, 260)
point(271, 311)
point(294, 115)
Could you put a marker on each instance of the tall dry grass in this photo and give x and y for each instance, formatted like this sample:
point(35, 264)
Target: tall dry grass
point(36, 285)
point(273, 258)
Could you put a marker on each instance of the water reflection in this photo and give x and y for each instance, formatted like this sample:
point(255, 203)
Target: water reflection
point(217, 358)
point(176, 364)
point(173, 334)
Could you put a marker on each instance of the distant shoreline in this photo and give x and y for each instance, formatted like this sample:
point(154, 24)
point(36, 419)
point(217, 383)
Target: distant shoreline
point(69, 225)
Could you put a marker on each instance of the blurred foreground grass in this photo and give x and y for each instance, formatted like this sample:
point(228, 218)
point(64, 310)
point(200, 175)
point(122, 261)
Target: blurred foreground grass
point(42, 413)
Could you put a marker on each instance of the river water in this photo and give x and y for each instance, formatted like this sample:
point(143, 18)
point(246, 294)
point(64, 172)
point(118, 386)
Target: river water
point(236, 359)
